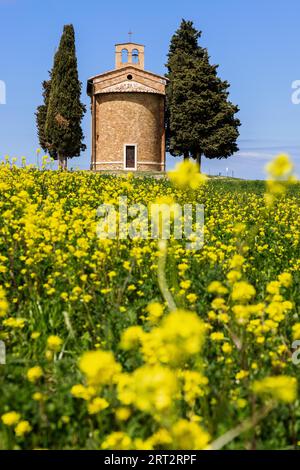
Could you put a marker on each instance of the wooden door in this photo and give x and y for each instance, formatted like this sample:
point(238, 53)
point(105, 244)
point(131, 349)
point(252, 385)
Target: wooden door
point(130, 157)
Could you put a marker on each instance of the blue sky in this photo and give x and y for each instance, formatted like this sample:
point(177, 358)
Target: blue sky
point(256, 43)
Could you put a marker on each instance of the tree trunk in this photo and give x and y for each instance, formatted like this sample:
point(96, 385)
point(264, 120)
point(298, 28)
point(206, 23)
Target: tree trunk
point(186, 156)
point(62, 163)
point(198, 160)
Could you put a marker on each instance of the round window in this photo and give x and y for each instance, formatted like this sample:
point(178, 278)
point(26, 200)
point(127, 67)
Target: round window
point(129, 77)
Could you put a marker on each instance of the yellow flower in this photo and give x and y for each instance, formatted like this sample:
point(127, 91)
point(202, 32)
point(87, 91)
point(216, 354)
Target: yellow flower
point(22, 428)
point(243, 374)
point(194, 386)
point(279, 170)
point(242, 292)
point(281, 166)
point(123, 413)
point(192, 298)
point(17, 323)
point(131, 288)
point(117, 441)
point(285, 279)
point(217, 287)
point(11, 418)
point(34, 374)
point(162, 438)
point(217, 336)
point(155, 312)
point(179, 336)
point(35, 335)
point(187, 175)
point(189, 435)
point(234, 276)
point(260, 339)
point(296, 331)
point(237, 262)
point(241, 403)
point(218, 304)
point(185, 285)
point(37, 396)
point(150, 389)
point(97, 405)
point(226, 348)
point(273, 287)
point(3, 303)
point(54, 343)
point(132, 337)
point(99, 367)
point(282, 388)
point(85, 393)
point(182, 268)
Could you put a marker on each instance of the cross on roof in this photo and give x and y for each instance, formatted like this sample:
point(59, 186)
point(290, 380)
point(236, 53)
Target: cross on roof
point(130, 35)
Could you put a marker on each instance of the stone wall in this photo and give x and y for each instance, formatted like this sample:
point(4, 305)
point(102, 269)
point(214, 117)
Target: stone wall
point(129, 118)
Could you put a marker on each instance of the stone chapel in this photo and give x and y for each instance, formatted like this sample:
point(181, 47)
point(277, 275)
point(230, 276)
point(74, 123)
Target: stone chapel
point(128, 114)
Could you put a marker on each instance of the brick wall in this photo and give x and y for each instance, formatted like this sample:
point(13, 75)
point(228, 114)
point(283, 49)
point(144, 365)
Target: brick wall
point(129, 118)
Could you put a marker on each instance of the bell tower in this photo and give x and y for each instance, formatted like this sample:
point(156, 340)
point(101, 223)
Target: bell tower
point(130, 53)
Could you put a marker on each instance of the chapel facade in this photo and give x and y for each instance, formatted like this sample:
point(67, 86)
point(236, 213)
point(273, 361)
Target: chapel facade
point(128, 114)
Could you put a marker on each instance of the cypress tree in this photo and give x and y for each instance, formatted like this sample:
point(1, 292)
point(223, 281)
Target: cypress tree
point(65, 111)
point(200, 118)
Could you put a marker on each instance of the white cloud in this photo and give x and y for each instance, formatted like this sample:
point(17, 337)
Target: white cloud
point(256, 154)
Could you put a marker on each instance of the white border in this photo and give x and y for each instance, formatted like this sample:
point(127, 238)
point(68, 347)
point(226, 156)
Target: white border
point(136, 157)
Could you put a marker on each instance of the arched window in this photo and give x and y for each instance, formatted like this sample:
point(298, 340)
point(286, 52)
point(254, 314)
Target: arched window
point(135, 56)
point(124, 56)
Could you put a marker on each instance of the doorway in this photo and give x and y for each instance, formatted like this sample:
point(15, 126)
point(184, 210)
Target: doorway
point(130, 157)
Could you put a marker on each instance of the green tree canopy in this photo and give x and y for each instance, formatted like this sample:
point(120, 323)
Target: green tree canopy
point(200, 118)
point(59, 119)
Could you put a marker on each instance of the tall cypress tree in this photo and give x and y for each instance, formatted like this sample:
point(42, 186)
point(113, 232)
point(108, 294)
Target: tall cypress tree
point(65, 111)
point(200, 118)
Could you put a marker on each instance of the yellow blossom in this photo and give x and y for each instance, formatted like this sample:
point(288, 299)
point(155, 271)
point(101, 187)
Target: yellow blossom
point(296, 331)
point(149, 388)
point(96, 405)
point(54, 343)
point(34, 374)
point(11, 418)
point(155, 312)
point(285, 279)
point(22, 428)
point(117, 441)
point(35, 335)
point(187, 175)
point(281, 166)
point(189, 436)
point(242, 292)
point(217, 336)
point(99, 367)
point(282, 388)
point(85, 393)
point(123, 413)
